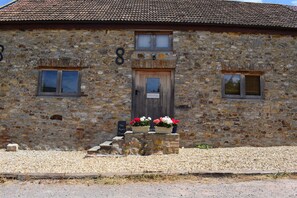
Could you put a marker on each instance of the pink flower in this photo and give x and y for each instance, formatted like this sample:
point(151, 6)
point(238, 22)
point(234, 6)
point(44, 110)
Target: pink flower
point(157, 121)
point(137, 119)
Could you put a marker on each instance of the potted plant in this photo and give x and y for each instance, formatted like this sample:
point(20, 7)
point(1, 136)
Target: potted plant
point(140, 125)
point(165, 124)
point(175, 122)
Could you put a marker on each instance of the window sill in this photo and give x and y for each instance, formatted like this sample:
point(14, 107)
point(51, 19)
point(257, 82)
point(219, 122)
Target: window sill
point(260, 99)
point(61, 96)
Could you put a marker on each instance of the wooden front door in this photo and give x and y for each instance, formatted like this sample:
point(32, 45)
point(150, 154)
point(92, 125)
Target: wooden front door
point(153, 94)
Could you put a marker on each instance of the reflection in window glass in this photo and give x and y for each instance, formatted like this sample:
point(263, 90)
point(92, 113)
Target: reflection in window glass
point(49, 81)
point(144, 41)
point(252, 85)
point(232, 84)
point(153, 85)
point(69, 82)
point(162, 41)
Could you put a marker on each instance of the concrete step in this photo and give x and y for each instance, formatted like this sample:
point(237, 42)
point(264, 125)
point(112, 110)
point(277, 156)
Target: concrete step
point(108, 148)
point(106, 144)
point(93, 150)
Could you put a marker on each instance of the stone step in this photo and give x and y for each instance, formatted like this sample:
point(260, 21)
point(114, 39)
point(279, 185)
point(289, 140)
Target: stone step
point(106, 144)
point(117, 138)
point(93, 150)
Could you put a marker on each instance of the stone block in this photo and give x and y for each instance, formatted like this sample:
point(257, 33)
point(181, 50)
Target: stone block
point(12, 147)
point(93, 150)
point(151, 143)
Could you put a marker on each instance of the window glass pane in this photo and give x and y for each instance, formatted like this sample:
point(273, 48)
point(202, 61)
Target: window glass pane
point(144, 41)
point(153, 85)
point(232, 84)
point(69, 82)
point(49, 81)
point(162, 41)
point(252, 85)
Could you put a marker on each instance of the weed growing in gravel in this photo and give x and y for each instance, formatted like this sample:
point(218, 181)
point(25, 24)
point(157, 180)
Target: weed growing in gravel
point(279, 175)
point(204, 146)
point(3, 180)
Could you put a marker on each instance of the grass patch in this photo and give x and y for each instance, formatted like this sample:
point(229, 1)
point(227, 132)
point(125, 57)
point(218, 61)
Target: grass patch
point(281, 175)
point(159, 178)
point(204, 146)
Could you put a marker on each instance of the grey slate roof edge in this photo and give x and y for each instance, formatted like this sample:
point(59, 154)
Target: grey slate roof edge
point(144, 23)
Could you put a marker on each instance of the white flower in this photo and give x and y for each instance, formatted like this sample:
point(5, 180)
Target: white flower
point(142, 119)
point(167, 120)
point(149, 118)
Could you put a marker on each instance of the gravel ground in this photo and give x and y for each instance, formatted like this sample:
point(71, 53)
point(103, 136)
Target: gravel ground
point(190, 160)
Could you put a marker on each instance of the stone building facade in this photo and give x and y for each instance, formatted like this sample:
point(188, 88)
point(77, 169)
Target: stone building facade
point(201, 58)
point(229, 70)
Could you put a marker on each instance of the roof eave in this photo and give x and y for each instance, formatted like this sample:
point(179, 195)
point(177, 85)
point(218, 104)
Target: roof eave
point(107, 24)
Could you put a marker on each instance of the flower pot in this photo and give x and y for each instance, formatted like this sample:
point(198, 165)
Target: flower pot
point(140, 129)
point(163, 129)
point(174, 129)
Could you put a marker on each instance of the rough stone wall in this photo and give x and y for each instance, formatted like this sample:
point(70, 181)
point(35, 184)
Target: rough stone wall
point(87, 120)
point(200, 57)
point(150, 143)
point(208, 118)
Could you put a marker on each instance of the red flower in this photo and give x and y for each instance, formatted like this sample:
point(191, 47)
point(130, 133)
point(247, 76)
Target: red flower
point(174, 121)
point(137, 119)
point(132, 122)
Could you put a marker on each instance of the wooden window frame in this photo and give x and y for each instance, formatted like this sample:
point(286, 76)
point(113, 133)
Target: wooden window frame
point(59, 84)
point(153, 46)
point(243, 86)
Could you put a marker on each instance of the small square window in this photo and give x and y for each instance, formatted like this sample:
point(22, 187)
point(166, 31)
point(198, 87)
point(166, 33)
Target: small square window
point(240, 85)
point(153, 88)
point(59, 83)
point(153, 41)
point(153, 85)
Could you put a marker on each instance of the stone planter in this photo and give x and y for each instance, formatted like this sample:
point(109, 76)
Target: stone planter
point(163, 129)
point(140, 129)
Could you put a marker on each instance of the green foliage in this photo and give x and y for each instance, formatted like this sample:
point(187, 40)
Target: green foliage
point(280, 175)
point(204, 146)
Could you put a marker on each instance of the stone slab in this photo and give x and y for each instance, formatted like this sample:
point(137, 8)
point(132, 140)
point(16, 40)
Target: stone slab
point(12, 147)
point(106, 144)
point(93, 150)
point(116, 138)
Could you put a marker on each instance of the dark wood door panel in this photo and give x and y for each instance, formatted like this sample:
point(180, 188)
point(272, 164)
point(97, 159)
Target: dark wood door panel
point(155, 103)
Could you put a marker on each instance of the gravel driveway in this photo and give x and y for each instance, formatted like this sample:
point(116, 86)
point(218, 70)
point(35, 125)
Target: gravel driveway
point(189, 160)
